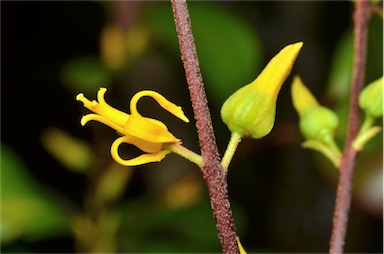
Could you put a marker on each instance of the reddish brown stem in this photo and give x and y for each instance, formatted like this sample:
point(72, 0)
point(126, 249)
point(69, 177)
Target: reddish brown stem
point(213, 172)
point(344, 188)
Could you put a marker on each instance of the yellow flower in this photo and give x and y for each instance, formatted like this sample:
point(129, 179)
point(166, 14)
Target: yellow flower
point(147, 134)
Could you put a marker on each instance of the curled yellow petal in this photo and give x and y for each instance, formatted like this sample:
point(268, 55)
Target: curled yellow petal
point(94, 117)
point(102, 108)
point(119, 117)
point(149, 129)
point(163, 102)
point(142, 159)
point(277, 70)
point(302, 98)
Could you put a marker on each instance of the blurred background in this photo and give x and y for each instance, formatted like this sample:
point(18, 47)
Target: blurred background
point(62, 192)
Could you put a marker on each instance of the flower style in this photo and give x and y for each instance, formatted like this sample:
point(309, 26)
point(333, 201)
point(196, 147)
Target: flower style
point(149, 135)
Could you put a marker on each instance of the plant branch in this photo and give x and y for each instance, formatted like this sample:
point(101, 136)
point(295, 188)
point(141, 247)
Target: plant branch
point(186, 153)
point(231, 149)
point(344, 188)
point(213, 171)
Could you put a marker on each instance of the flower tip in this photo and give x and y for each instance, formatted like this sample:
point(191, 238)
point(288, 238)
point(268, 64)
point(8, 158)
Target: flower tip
point(293, 49)
point(182, 116)
point(302, 97)
point(178, 112)
point(298, 45)
point(80, 97)
point(83, 121)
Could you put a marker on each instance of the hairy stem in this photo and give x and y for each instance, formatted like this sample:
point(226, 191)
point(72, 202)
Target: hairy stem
point(344, 188)
point(213, 171)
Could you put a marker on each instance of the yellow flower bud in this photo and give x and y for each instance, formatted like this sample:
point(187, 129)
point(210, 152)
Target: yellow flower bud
point(250, 111)
point(371, 98)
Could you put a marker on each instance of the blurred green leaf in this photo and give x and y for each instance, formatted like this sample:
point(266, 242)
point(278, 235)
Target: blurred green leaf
point(85, 74)
point(340, 75)
point(374, 68)
point(228, 48)
point(112, 183)
point(75, 154)
point(25, 210)
point(341, 69)
point(190, 229)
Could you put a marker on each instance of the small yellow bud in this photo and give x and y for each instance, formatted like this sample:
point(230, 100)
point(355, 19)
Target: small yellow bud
point(317, 123)
point(250, 111)
point(302, 98)
point(371, 98)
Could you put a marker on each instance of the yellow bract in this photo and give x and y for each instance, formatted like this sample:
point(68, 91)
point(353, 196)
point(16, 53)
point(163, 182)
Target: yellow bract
point(147, 134)
point(277, 70)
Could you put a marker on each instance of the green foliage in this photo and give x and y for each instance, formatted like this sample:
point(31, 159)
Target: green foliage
point(86, 74)
point(341, 68)
point(340, 73)
point(229, 49)
point(191, 228)
point(73, 153)
point(26, 211)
